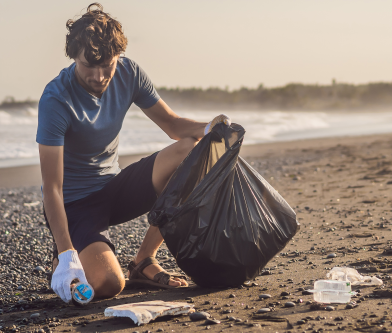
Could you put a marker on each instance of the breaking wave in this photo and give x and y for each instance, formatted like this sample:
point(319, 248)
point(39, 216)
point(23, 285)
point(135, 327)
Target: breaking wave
point(140, 135)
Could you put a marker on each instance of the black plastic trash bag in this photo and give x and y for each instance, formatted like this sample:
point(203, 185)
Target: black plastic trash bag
point(220, 219)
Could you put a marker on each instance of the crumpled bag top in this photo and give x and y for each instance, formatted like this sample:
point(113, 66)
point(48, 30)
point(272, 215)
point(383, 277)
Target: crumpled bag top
point(352, 275)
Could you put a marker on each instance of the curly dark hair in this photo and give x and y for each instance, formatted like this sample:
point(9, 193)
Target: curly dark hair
point(97, 33)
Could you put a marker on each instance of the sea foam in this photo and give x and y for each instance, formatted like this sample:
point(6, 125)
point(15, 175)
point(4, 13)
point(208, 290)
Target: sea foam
point(140, 135)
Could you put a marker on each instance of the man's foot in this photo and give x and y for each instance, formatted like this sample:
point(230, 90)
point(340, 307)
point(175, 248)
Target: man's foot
point(153, 269)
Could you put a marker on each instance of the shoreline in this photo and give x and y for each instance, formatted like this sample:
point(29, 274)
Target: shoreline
point(30, 175)
point(340, 189)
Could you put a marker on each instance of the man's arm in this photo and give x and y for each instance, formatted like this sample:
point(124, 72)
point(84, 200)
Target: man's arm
point(172, 124)
point(52, 167)
point(69, 266)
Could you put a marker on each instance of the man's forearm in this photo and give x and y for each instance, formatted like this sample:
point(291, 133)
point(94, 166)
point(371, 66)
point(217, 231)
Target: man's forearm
point(55, 212)
point(174, 126)
point(185, 128)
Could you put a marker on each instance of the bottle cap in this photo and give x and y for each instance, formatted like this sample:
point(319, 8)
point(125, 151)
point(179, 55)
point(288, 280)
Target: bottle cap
point(82, 293)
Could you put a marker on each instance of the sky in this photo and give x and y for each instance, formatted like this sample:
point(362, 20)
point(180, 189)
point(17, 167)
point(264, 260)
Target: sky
point(204, 43)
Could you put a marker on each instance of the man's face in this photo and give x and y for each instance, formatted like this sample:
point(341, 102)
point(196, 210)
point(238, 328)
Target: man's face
point(94, 78)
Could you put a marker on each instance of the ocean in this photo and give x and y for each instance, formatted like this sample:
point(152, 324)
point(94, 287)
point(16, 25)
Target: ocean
point(140, 135)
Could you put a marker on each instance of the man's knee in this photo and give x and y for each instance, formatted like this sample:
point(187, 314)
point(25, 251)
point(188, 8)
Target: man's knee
point(186, 145)
point(102, 270)
point(108, 286)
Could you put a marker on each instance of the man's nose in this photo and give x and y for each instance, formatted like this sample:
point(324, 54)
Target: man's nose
point(98, 74)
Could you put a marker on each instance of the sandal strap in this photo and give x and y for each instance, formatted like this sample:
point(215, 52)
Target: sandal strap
point(162, 277)
point(146, 262)
point(131, 266)
point(137, 270)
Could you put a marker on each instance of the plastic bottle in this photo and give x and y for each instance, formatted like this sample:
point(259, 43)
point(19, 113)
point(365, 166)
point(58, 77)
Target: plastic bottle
point(82, 293)
point(331, 291)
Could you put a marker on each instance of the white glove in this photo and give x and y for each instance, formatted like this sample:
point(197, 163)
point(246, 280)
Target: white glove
point(68, 269)
point(222, 118)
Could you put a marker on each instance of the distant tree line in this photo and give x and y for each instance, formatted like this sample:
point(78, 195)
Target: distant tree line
point(291, 96)
point(10, 103)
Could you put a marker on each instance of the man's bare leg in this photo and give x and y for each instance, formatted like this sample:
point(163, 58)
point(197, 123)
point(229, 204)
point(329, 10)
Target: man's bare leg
point(165, 164)
point(102, 270)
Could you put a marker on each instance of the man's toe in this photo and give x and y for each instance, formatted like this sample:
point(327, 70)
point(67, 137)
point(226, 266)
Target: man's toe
point(174, 283)
point(182, 282)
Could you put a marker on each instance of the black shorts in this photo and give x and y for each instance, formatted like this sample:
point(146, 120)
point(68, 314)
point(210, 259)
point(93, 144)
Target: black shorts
point(125, 197)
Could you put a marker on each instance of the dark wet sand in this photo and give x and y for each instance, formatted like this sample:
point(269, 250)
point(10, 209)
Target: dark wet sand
point(30, 175)
point(341, 189)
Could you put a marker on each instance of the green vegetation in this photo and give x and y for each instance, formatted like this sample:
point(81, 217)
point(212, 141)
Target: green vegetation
point(337, 96)
point(10, 103)
point(292, 96)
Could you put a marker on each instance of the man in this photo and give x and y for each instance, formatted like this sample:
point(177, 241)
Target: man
point(84, 192)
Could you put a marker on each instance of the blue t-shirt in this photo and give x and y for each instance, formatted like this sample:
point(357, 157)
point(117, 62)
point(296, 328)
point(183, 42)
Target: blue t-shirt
point(88, 127)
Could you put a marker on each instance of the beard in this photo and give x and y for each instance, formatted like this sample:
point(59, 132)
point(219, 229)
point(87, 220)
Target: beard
point(93, 87)
point(98, 88)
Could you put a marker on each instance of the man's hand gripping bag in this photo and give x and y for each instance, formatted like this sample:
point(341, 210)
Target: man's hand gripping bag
point(220, 219)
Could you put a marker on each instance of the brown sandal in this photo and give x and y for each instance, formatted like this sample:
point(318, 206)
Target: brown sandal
point(160, 280)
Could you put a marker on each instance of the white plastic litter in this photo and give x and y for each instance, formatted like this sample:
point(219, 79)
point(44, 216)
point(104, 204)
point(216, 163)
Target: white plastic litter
point(352, 275)
point(31, 204)
point(144, 312)
point(332, 291)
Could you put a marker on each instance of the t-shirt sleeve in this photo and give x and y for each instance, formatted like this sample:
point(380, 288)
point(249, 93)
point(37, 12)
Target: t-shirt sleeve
point(146, 95)
point(52, 121)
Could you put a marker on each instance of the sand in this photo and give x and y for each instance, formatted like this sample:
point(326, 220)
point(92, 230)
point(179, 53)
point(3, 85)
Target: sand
point(340, 189)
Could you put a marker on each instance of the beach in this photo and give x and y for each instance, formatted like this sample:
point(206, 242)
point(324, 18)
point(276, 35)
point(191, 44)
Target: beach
point(340, 188)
